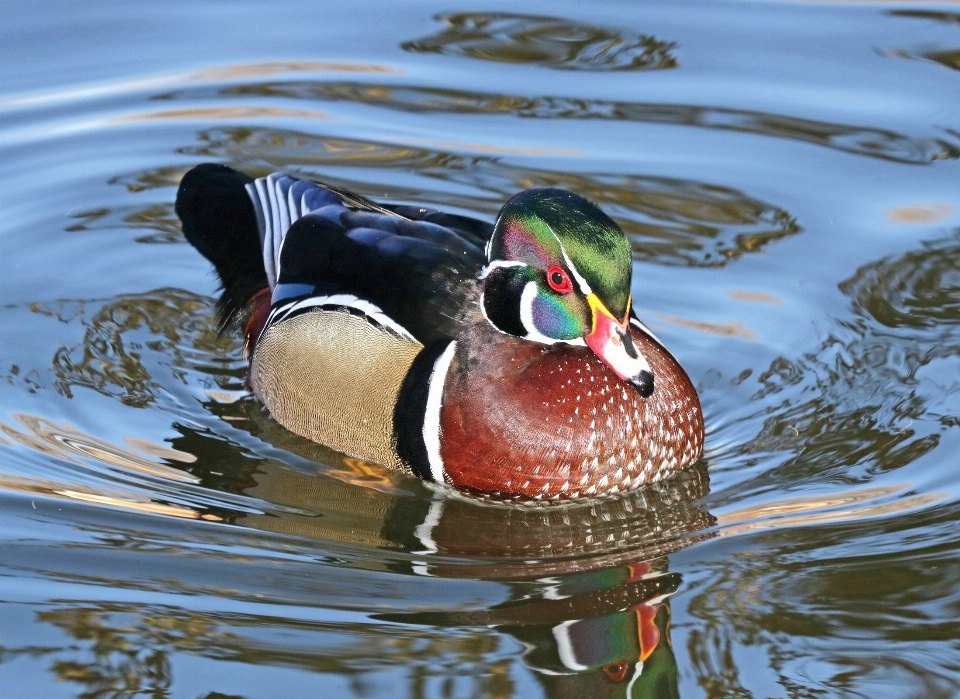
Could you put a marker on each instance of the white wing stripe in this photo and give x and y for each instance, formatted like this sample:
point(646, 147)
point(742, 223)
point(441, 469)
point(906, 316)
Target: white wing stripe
point(266, 235)
point(270, 246)
point(257, 209)
point(277, 206)
point(280, 201)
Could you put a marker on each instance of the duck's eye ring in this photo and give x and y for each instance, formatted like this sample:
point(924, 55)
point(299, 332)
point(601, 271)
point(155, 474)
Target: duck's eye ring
point(616, 671)
point(558, 280)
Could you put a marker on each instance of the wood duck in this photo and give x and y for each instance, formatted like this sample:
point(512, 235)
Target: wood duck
point(505, 360)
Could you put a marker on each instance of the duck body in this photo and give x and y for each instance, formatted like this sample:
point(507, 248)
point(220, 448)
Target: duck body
point(503, 359)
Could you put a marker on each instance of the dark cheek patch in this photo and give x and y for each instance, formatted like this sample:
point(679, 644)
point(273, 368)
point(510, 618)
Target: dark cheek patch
point(501, 299)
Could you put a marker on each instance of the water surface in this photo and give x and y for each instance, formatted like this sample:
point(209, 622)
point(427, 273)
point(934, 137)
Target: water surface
point(789, 177)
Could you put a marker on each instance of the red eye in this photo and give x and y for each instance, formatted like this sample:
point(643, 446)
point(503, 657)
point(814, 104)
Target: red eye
point(616, 671)
point(558, 280)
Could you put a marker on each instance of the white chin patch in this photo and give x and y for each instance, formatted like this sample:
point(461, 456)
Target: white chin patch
point(625, 366)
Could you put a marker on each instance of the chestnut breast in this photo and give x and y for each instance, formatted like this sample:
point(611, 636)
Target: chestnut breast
point(529, 421)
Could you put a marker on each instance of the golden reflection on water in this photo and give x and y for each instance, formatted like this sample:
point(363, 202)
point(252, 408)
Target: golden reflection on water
point(218, 114)
point(844, 506)
point(67, 442)
point(146, 506)
point(735, 329)
point(254, 70)
point(753, 297)
point(215, 74)
point(505, 150)
point(928, 212)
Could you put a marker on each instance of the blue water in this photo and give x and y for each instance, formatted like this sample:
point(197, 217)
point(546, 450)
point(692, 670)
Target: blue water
point(789, 177)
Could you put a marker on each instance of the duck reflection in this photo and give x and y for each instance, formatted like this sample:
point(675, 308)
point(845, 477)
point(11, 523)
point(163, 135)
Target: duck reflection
point(588, 585)
point(603, 633)
point(327, 496)
point(583, 589)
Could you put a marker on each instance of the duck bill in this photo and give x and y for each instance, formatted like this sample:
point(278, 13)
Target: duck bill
point(612, 342)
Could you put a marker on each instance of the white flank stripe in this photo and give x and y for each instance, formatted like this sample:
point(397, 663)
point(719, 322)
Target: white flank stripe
point(431, 420)
point(349, 301)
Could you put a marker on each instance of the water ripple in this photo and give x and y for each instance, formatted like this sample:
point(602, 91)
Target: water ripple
point(867, 141)
point(552, 42)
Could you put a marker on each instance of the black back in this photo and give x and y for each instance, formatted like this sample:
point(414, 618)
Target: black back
point(418, 265)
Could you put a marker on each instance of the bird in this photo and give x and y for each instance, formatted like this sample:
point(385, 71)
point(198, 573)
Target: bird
point(505, 360)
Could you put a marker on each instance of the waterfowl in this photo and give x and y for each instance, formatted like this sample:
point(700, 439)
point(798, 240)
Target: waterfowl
point(505, 360)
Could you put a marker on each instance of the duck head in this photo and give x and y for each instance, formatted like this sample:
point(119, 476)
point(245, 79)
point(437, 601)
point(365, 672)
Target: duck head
point(559, 271)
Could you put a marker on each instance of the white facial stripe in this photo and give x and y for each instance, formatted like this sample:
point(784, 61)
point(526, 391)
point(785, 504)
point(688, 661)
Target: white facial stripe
point(431, 420)
point(530, 292)
point(499, 263)
point(581, 282)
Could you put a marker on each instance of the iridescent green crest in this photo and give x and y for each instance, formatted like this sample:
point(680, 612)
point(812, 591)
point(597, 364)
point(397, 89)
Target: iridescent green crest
point(552, 247)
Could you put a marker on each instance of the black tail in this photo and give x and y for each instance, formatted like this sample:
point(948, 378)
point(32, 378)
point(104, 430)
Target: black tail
point(219, 221)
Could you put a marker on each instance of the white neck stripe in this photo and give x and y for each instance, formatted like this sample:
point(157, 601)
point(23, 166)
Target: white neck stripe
point(431, 419)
